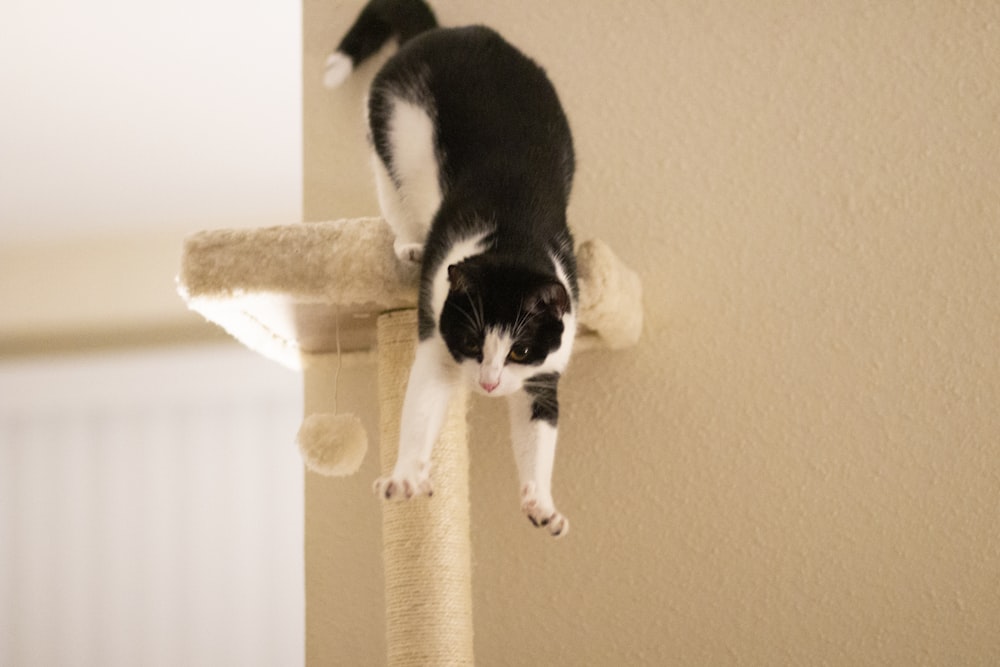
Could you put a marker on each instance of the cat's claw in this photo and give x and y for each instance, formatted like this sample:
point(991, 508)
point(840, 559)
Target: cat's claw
point(543, 514)
point(403, 487)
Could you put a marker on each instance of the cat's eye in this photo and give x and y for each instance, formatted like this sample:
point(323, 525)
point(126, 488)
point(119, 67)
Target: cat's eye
point(518, 353)
point(471, 346)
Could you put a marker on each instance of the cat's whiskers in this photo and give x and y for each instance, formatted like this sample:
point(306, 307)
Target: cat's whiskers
point(478, 310)
point(523, 319)
point(519, 320)
point(473, 318)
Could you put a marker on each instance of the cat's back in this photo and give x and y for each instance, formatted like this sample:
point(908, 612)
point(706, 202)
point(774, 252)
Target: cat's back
point(462, 62)
point(485, 96)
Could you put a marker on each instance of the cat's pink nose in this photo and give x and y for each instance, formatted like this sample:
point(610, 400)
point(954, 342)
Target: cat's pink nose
point(489, 386)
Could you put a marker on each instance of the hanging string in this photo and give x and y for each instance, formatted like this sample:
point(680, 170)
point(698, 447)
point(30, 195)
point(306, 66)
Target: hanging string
point(336, 373)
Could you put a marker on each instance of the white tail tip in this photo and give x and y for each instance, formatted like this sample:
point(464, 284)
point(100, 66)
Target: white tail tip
point(338, 67)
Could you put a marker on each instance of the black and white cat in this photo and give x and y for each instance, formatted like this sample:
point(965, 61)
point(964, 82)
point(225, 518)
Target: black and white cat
point(473, 161)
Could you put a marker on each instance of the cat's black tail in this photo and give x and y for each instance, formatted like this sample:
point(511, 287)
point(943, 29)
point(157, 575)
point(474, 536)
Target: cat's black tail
point(379, 21)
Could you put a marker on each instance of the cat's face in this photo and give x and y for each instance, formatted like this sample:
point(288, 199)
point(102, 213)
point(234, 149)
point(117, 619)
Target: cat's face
point(503, 326)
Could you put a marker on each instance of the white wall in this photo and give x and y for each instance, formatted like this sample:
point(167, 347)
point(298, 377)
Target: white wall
point(151, 510)
point(125, 126)
point(124, 116)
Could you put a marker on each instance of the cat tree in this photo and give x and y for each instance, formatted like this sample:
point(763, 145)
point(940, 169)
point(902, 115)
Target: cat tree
point(300, 292)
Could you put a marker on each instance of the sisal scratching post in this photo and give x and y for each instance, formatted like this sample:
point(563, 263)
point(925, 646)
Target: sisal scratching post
point(297, 294)
point(426, 552)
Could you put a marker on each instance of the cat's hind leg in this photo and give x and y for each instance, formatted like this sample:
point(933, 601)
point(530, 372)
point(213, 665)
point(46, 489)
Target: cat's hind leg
point(409, 242)
point(533, 427)
point(407, 174)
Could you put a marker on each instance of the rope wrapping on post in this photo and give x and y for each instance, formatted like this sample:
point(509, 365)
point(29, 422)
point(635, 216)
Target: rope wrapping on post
point(426, 548)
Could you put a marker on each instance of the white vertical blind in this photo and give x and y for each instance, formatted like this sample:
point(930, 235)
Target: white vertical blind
point(150, 511)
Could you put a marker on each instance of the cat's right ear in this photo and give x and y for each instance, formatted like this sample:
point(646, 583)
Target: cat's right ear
point(459, 279)
point(551, 296)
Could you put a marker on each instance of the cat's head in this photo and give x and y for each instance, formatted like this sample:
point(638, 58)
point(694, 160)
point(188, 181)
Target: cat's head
point(504, 324)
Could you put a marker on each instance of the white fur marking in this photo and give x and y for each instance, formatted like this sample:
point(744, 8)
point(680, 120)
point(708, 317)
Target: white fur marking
point(496, 345)
point(415, 167)
point(558, 360)
point(337, 68)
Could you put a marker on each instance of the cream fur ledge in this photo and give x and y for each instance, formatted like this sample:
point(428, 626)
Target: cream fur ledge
point(305, 289)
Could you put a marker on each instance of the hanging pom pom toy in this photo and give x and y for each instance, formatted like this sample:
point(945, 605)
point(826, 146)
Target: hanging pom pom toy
point(331, 444)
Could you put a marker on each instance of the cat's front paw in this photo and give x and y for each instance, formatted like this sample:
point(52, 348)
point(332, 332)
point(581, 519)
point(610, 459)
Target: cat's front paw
point(542, 513)
point(399, 486)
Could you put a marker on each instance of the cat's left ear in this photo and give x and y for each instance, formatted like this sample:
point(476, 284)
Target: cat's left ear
point(551, 296)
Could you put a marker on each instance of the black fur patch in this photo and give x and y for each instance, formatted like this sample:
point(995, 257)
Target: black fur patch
point(545, 401)
point(500, 294)
point(380, 20)
point(505, 164)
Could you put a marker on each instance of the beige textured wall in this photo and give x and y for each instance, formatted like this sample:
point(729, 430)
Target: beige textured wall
point(800, 463)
